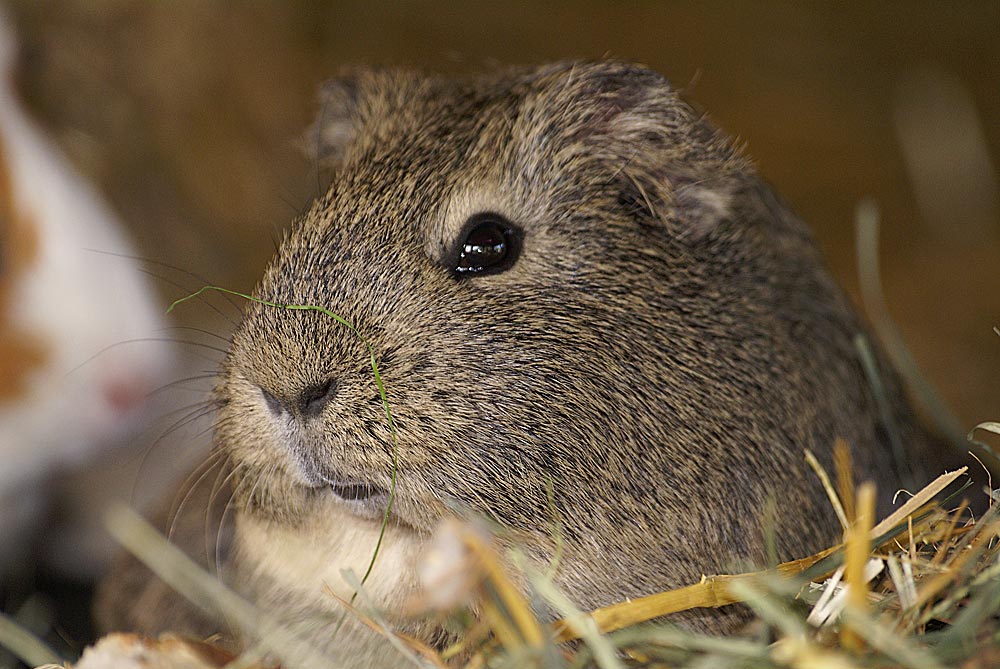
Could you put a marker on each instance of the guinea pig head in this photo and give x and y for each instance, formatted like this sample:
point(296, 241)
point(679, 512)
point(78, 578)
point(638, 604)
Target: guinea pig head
point(571, 283)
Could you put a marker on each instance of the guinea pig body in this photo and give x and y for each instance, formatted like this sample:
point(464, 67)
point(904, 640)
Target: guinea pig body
point(73, 305)
point(570, 282)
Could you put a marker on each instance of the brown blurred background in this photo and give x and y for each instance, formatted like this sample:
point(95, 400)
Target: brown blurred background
point(185, 113)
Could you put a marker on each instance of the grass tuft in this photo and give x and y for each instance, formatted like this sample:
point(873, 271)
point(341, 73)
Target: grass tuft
point(918, 590)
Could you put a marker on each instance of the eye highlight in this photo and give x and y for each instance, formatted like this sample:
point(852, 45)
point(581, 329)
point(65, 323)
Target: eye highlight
point(488, 244)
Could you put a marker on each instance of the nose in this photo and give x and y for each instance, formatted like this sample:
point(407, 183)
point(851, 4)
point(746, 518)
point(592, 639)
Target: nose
point(308, 403)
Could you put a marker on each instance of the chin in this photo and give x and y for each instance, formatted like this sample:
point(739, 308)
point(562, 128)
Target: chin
point(303, 562)
point(294, 572)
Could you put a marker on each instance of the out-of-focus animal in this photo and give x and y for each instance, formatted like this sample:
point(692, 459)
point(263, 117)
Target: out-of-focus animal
point(74, 308)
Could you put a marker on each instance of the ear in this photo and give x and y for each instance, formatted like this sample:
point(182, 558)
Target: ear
point(337, 123)
point(672, 167)
point(358, 106)
point(351, 104)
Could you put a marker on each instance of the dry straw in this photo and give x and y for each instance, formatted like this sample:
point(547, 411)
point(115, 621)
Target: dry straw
point(920, 589)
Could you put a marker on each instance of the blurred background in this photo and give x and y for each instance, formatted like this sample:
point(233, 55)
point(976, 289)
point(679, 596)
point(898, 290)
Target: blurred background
point(187, 113)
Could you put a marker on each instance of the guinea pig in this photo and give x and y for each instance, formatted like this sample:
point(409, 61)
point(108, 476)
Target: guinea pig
point(73, 303)
point(571, 282)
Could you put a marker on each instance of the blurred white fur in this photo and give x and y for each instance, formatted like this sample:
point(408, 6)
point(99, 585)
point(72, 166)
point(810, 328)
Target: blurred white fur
point(83, 300)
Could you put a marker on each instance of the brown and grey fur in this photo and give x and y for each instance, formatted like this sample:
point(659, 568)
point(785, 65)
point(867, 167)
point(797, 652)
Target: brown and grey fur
point(661, 354)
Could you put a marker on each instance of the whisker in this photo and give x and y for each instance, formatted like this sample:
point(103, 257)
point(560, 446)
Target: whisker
point(253, 491)
point(215, 551)
point(194, 412)
point(217, 424)
point(202, 331)
point(209, 400)
point(160, 263)
point(187, 379)
point(192, 416)
point(201, 298)
point(219, 563)
point(140, 340)
point(189, 487)
point(192, 342)
point(187, 410)
point(148, 260)
point(298, 211)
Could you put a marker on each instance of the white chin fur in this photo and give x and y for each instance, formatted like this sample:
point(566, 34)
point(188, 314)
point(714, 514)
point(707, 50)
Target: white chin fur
point(293, 571)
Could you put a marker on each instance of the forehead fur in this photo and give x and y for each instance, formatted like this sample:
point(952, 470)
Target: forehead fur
point(546, 134)
point(576, 103)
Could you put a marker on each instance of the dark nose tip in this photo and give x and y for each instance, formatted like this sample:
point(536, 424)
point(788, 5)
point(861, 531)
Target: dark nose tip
point(314, 398)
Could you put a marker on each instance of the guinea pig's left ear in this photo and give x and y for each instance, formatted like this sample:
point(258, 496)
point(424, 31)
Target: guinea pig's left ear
point(672, 166)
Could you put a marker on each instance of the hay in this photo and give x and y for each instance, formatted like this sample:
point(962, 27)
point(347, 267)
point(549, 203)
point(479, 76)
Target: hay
point(918, 590)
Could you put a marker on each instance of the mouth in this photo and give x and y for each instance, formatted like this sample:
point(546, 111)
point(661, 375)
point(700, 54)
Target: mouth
point(359, 492)
point(361, 498)
point(355, 491)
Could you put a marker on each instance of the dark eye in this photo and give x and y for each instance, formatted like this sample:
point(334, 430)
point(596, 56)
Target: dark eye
point(490, 245)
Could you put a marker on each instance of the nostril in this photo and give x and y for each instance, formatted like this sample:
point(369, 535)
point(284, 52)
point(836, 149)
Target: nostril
point(273, 403)
point(314, 399)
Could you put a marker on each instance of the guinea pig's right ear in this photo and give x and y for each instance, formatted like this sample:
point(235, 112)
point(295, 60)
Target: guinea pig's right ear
point(336, 127)
point(673, 167)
